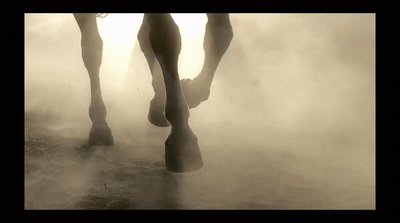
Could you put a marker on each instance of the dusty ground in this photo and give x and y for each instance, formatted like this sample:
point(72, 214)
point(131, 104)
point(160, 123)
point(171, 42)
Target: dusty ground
point(290, 123)
point(61, 173)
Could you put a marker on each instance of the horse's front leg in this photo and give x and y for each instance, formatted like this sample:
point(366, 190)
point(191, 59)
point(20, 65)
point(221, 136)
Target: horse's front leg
point(182, 152)
point(92, 47)
point(217, 39)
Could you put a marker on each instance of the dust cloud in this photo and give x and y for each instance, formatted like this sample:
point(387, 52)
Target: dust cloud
point(290, 122)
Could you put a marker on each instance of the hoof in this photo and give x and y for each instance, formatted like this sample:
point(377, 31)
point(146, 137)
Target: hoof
point(195, 91)
point(182, 152)
point(101, 137)
point(156, 114)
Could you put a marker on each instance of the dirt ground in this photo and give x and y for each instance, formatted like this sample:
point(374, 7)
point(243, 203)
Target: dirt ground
point(298, 132)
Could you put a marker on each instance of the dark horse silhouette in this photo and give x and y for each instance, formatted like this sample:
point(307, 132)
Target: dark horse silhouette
point(160, 42)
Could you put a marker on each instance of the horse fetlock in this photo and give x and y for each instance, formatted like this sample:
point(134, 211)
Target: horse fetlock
point(177, 117)
point(97, 112)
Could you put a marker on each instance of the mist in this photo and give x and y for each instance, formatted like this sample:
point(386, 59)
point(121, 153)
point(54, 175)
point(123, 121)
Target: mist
point(289, 124)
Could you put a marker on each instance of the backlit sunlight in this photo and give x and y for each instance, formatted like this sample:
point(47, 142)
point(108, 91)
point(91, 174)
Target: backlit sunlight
point(119, 32)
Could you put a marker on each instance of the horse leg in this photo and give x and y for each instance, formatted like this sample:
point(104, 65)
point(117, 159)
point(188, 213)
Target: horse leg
point(157, 104)
point(182, 152)
point(217, 38)
point(92, 47)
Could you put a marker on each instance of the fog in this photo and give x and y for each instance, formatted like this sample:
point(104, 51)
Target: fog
point(289, 124)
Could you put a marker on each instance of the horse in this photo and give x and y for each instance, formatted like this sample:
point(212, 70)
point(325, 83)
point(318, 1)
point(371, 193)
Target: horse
point(160, 41)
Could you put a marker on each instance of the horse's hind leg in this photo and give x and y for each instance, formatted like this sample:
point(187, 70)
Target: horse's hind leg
point(92, 47)
point(157, 104)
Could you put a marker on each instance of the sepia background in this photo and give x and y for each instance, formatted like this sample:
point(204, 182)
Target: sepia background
point(290, 122)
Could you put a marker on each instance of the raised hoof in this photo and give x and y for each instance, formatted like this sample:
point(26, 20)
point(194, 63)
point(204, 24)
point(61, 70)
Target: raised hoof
point(195, 91)
point(182, 152)
point(156, 114)
point(100, 137)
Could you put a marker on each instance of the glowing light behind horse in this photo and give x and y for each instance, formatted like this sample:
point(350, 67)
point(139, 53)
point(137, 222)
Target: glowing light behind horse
point(119, 30)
